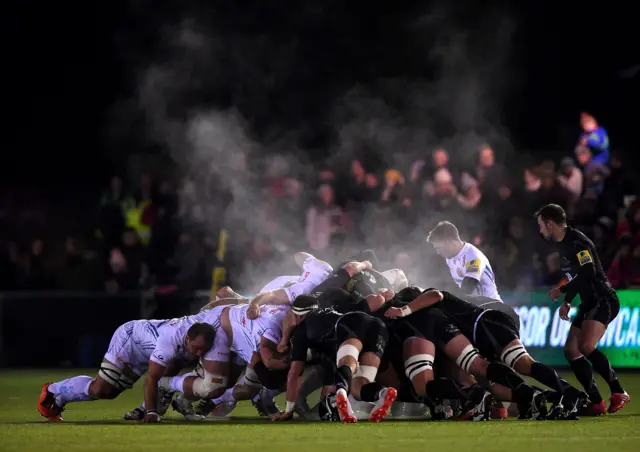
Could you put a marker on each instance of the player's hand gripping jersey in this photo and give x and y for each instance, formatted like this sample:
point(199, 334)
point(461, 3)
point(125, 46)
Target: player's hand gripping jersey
point(470, 262)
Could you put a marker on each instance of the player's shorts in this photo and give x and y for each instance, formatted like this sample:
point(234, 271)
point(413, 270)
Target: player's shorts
point(604, 312)
point(123, 351)
point(221, 349)
point(431, 324)
point(492, 332)
point(369, 330)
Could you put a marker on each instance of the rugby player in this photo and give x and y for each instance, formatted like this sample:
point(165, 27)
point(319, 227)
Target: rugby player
point(598, 308)
point(243, 337)
point(495, 335)
point(469, 267)
point(355, 340)
point(139, 346)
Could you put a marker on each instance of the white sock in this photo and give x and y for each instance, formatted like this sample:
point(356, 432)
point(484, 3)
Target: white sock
point(172, 383)
point(227, 397)
point(74, 389)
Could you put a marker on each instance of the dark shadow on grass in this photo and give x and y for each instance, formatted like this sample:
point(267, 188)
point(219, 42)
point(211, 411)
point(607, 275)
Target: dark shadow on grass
point(252, 420)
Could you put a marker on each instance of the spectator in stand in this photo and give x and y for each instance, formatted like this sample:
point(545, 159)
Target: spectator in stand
point(470, 195)
point(80, 269)
point(594, 138)
point(489, 175)
point(570, 178)
point(324, 220)
point(393, 190)
point(595, 175)
point(115, 202)
point(621, 271)
point(126, 264)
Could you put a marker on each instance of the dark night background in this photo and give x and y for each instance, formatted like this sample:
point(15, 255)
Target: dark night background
point(65, 67)
point(78, 104)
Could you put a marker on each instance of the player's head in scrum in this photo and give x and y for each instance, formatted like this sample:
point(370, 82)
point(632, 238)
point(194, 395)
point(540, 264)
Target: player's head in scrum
point(445, 239)
point(552, 220)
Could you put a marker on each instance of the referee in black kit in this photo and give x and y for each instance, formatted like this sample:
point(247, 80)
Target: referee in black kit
point(599, 306)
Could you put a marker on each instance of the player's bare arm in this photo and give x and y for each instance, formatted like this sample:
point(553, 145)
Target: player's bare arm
point(288, 326)
point(155, 372)
point(275, 297)
point(271, 357)
point(423, 301)
point(224, 302)
point(294, 380)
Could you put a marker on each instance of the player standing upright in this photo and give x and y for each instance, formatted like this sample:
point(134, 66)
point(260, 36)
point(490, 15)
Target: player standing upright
point(599, 306)
point(469, 267)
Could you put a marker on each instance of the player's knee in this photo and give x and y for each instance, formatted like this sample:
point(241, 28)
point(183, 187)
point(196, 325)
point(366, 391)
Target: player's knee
point(100, 389)
point(347, 353)
point(252, 379)
point(210, 386)
point(586, 348)
point(571, 352)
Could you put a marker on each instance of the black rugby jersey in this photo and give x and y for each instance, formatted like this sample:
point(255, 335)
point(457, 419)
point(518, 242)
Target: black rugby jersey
point(461, 312)
point(317, 331)
point(581, 264)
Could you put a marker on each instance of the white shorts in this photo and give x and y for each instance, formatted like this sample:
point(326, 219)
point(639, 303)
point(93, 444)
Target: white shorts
point(221, 350)
point(315, 273)
point(123, 351)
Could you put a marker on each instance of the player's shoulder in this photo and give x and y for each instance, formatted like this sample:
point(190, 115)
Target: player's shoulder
point(471, 252)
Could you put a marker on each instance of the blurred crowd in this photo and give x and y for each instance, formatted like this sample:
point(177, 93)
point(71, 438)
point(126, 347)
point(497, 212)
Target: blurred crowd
point(159, 234)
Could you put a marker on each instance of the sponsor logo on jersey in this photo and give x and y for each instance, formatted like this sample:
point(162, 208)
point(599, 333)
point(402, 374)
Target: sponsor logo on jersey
point(304, 276)
point(584, 257)
point(473, 266)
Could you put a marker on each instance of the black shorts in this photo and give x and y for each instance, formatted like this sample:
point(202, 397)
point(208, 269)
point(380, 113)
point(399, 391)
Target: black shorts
point(431, 324)
point(369, 330)
point(493, 331)
point(604, 312)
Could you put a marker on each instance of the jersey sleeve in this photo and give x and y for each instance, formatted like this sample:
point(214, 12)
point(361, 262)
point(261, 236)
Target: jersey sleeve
point(164, 351)
point(583, 254)
point(299, 343)
point(474, 266)
point(273, 332)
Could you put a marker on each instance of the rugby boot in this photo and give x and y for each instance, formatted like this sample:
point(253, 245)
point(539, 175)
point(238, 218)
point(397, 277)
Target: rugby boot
point(47, 406)
point(344, 407)
point(382, 406)
point(593, 409)
point(618, 400)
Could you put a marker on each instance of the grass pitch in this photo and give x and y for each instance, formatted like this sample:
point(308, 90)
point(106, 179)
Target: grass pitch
point(98, 426)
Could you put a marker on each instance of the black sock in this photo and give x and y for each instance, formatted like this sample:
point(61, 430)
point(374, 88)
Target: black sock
point(407, 394)
point(343, 378)
point(505, 376)
point(547, 376)
point(602, 365)
point(369, 392)
point(584, 373)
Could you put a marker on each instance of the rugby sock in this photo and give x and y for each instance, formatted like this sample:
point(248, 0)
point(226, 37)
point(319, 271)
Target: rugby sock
point(584, 373)
point(505, 376)
point(74, 389)
point(547, 376)
point(227, 397)
point(406, 394)
point(370, 392)
point(343, 378)
point(173, 383)
point(602, 365)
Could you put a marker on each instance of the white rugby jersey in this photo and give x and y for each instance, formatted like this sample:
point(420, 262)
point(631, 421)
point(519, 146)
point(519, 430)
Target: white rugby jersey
point(247, 333)
point(315, 272)
point(164, 340)
point(470, 262)
point(279, 283)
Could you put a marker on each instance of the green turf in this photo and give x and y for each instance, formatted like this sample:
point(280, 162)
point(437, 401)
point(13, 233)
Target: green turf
point(97, 426)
